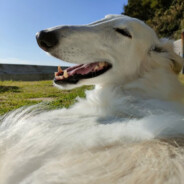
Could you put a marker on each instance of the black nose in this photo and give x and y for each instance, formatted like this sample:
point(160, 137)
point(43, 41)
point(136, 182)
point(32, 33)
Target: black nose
point(47, 39)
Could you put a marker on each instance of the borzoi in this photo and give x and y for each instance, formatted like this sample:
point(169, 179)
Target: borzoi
point(128, 130)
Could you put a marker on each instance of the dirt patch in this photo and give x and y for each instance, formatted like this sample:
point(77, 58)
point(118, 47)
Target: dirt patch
point(3, 98)
point(14, 89)
point(42, 99)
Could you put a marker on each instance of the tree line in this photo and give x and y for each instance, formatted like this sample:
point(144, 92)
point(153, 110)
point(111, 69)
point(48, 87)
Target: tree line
point(166, 17)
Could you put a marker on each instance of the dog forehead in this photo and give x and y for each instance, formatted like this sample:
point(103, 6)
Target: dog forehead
point(134, 25)
point(137, 28)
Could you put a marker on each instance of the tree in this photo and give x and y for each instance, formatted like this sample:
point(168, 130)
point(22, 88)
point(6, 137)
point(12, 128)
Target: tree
point(166, 17)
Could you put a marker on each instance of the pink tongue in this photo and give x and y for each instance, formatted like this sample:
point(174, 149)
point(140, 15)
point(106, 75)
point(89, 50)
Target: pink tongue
point(81, 69)
point(73, 67)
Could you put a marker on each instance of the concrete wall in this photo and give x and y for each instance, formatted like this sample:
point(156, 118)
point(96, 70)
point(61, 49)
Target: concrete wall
point(27, 72)
point(178, 47)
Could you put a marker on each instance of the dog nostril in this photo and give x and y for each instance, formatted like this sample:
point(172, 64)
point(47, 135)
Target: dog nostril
point(47, 39)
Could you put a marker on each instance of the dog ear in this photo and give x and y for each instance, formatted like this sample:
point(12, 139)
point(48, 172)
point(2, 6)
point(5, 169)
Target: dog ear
point(110, 16)
point(176, 66)
point(166, 51)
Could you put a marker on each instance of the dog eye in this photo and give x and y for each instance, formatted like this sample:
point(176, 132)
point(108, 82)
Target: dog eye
point(124, 32)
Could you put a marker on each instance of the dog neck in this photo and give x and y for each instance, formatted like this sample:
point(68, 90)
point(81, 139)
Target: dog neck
point(156, 84)
point(159, 84)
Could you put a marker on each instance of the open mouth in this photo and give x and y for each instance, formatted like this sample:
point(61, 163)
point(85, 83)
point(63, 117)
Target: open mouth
point(83, 71)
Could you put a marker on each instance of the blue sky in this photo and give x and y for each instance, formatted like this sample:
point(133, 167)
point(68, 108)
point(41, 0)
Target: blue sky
point(21, 19)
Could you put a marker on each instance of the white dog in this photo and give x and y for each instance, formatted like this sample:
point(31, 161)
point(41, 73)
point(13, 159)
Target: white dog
point(128, 130)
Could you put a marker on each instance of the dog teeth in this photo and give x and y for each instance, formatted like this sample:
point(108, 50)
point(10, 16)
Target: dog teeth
point(96, 67)
point(101, 64)
point(60, 69)
point(59, 77)
point(65, 74)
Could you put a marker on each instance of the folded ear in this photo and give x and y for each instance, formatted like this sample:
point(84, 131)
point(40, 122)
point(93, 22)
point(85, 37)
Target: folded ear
point(166, 51)
point(175, 65)
point(110, 16)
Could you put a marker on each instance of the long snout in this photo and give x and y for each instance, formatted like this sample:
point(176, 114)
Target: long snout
point(47, 39)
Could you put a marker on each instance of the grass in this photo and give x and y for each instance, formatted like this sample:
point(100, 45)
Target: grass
point(15, 94)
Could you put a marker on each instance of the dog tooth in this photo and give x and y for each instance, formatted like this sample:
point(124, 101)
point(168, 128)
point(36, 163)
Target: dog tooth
point(60, 69)
point(96, 67)
point(65, 74)
point(57, 77)
point(101, 64)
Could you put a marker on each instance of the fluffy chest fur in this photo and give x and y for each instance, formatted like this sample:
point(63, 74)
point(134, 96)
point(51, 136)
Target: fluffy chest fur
point(97, 140)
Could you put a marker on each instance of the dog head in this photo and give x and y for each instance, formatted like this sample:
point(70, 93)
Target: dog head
point(111, 50)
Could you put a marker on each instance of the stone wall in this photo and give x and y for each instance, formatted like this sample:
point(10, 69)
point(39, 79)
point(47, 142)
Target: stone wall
point(38, 72)
point(27, 72)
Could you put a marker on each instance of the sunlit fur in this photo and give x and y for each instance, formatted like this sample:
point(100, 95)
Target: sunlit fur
point(128, 130)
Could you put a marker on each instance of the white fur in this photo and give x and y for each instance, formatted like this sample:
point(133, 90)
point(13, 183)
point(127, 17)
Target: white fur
point(128, 130)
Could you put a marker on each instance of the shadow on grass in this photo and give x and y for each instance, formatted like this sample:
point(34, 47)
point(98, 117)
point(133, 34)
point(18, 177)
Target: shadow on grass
point(9, 89)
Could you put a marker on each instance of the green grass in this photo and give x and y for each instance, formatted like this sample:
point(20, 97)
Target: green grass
point(15, 94)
